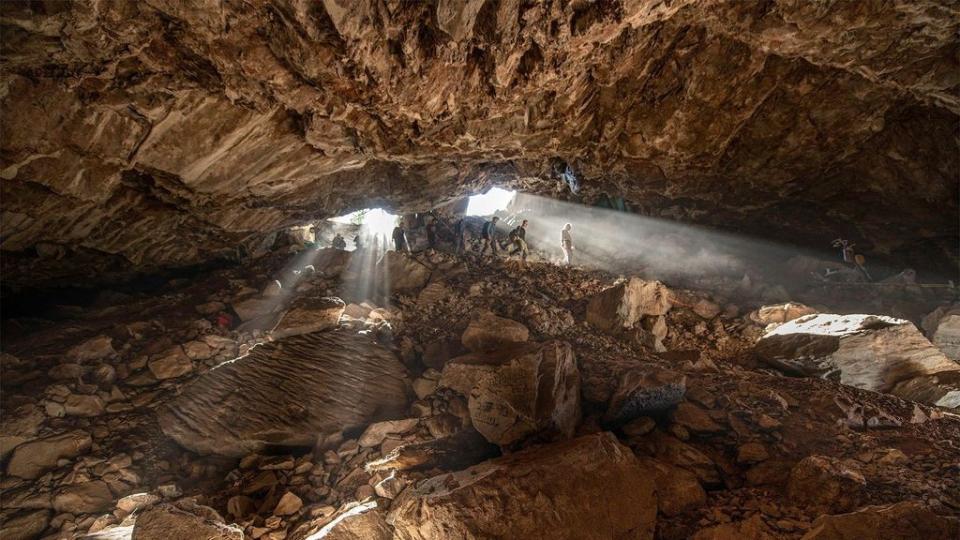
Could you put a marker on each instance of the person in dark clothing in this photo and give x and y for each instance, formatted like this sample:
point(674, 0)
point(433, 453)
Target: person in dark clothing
point(518, 237)
point(339, 242)
point(400, 239)
point(489, 236)
point(432, 233)
point(358, 242)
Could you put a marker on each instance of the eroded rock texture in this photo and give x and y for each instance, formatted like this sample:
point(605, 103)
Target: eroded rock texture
point(159, 133)
point(286, 393)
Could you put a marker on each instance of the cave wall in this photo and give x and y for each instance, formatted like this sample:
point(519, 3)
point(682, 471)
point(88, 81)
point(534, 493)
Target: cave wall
point(166, 133)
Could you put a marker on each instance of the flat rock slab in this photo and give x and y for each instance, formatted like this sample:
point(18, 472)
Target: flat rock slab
point(871, 352)
point(908, 519)
point(32, 459)
point(286, 392)
point(536, 493)
point(309, 315)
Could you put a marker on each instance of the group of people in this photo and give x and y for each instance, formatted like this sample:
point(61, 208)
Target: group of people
point(489, 238)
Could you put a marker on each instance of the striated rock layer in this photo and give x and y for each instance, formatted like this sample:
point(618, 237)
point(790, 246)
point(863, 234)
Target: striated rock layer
point(163, 133)
point(286, 393)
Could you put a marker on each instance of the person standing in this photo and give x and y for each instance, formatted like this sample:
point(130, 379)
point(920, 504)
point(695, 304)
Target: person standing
point(400, 239)
point(518, 237)
point(566, 244)
point(489, 236)
point(339, 242)
point(432, 233)
point(458, 231)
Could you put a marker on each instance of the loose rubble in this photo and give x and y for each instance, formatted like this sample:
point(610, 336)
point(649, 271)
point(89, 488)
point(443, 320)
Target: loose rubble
point(472, 403)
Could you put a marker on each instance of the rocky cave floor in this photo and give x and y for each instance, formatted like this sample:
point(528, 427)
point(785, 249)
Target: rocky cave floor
point(743, 452)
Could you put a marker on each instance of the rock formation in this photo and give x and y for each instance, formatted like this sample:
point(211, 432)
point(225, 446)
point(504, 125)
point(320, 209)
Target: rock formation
point(875, 353)
point(286, 393)
point(150, 134)
point(183, 357)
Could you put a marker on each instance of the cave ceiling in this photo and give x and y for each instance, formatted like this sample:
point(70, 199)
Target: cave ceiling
point(167, 133)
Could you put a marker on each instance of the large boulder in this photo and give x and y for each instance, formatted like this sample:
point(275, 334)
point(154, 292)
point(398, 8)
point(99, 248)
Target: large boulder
point(30, 460)
point(286, 392)
point(488, 332)
point(183, 521)
point(309, 315)
point(643, 393)
point(942, 326)
point(908, 519)
point(18, 426)
point(517, 392)
point(623, 305)
point(871, 352)
point(354, 521)
point(25, 526)
point(534, 493)
point(402, 273)
point(825, 484)
point(83, 498)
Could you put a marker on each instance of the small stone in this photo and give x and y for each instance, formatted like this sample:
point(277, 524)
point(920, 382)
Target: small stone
point(137, 501)
point(289, 504)
point(751, 452)
point(92, 349)
point(172, 364)
point(83, 498)
point(197, 350)
point(83, 405)
point(65, 372)
point(639, 427)
point(376, 433)
point(389, 487)
point(240, 506)
point(695, 419)
point(424, 387)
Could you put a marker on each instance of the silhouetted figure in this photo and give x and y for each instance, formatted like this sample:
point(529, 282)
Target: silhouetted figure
point(400, 239)
point(489, 236)
point(566, 244)
point(339, 242)
point(518, 237)
point(432, 233)
point(357, 242)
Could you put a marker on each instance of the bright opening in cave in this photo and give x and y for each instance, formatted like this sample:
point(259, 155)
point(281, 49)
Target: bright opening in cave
point(372, 221)
point(488, 203)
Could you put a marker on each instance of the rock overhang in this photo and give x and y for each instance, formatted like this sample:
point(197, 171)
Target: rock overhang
point(151, 134)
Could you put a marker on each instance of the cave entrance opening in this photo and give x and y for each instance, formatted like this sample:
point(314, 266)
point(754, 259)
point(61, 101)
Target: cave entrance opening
point(486, 204)
point(371, 226)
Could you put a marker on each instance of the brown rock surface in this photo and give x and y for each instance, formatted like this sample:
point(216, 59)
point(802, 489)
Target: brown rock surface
point(622, 306)
point(909, 519)
point(285, 392)
point(309, 315)
point(521, 496)
point(517, 392)
point(155, 133)
point(167, 521)
point(825, 484)
point(876, 353)
point(488, 332)
point(31, 459)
